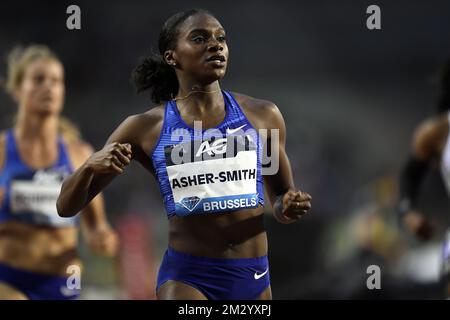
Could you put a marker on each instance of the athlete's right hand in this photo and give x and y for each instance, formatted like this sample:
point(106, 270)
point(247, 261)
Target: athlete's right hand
point(113, 158)
point(419, 225)
point(295, 204)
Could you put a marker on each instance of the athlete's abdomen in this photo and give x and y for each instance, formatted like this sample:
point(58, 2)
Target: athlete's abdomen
point(230, 235)
point(38, 249)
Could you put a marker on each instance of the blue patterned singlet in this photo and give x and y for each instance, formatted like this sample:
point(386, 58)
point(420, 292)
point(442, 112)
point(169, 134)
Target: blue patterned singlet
point(30, 195)
point(208, 171)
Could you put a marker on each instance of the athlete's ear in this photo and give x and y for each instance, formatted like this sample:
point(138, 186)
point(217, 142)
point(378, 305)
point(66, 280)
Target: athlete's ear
point(170, 58)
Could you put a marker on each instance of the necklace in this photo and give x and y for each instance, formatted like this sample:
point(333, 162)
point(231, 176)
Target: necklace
point(195, 91)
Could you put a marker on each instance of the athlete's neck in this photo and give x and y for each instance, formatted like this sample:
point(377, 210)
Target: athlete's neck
point(37, 128)
point(200, 98)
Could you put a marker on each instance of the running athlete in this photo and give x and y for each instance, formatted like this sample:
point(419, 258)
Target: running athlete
point(37, 246)
point(430, 145)
point(214, 198)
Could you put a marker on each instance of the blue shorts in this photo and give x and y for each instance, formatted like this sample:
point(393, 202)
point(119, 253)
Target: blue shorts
point(37, 286)
point(217, 278)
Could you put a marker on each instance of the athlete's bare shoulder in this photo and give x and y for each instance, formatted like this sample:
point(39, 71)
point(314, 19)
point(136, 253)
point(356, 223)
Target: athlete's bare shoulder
point(263, 114)
point(153, 118)
point(140, 130)
point(150, 117)
point(253, 104)
point(430, 137)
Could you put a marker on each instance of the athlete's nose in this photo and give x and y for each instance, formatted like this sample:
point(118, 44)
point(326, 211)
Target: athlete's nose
point(214, 45)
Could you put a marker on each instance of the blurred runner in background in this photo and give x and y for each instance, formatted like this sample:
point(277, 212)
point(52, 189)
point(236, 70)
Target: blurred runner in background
point(37, 247)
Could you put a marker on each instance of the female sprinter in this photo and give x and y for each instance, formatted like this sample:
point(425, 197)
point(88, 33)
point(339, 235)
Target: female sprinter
point(37, 247)
point(214, 199)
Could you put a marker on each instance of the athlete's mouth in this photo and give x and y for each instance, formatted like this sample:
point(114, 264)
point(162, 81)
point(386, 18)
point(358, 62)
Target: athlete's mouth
point(47, 96)
point(47, 99)
point(216, 58)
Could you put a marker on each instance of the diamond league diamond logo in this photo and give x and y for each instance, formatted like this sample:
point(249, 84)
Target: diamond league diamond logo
point(190, 202)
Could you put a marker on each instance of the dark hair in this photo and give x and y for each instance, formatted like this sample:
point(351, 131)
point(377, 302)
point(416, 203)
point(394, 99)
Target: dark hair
point(154, 73)
point(444, 88)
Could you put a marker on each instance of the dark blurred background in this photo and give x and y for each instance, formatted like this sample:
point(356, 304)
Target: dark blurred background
point(351, 98)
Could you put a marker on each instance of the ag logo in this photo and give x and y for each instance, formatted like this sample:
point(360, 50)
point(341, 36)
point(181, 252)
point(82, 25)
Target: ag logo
point(219, 146)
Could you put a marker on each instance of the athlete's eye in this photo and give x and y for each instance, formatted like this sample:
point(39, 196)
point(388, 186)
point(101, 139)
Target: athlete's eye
point(198, 39)
point(39, 79)
point(56, 80)
point(221, 38)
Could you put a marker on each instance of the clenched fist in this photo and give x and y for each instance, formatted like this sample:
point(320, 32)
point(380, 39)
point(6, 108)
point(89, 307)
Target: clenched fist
point(113, 158)
point(295, 204)
point(419, 225)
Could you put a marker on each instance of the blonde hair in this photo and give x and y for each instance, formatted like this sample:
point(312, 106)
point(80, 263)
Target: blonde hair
point(68, 130)
point(18, 60)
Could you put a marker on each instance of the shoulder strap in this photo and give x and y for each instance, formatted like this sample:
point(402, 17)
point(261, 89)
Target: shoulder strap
point(11, 154)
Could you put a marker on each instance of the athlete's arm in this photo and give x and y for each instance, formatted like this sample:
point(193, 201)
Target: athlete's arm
point(289, 203)
point(128, 141)
point(96, 230)
point(424, 150)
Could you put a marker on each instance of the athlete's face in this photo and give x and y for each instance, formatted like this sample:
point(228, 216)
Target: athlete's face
point(42, 87)
point(201, 51)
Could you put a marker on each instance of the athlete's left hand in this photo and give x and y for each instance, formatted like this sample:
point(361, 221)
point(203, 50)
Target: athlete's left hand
point(295, 204)
point(103, 241)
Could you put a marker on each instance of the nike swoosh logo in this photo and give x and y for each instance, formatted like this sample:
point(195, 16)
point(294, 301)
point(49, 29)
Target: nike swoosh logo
point(231, 131)
point(257, 276)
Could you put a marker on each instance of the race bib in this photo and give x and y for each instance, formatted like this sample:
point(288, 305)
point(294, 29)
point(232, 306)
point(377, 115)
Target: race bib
point(214, 175)
point(35, 200)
